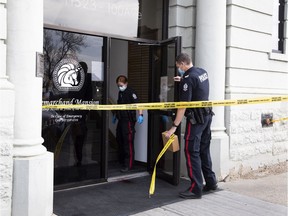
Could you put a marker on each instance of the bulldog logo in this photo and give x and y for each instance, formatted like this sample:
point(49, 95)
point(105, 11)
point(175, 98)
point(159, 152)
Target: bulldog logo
point(68, 75)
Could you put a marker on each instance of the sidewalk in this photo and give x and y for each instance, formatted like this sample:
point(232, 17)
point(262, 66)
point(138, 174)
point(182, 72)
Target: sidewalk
point(262, 196)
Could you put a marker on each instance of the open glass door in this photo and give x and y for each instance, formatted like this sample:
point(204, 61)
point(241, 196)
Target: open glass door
point(164, 89)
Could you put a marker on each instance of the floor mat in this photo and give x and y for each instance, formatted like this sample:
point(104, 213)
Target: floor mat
point(116, 198)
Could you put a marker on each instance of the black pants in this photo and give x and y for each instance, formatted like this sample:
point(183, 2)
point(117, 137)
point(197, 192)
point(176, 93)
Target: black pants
point(197, 152)
point(125, 137)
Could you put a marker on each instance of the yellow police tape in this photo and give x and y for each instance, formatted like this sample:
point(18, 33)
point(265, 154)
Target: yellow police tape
point(152, 184)
point(164, 105)
point(281, 119)
point(166, 146)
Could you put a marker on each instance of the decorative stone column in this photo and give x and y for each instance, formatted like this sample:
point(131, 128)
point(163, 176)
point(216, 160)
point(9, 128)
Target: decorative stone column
point(210, 54)
point(33, 165)
point(6, 120)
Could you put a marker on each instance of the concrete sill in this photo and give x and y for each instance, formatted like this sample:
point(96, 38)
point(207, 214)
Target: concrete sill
point(278, 57)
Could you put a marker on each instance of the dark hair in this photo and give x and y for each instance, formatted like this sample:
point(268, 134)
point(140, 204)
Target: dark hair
point(122, 79)
point(183, 57)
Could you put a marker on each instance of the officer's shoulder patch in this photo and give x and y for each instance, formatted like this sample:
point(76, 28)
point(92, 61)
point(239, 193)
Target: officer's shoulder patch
point(185, 87)
point(134, 96)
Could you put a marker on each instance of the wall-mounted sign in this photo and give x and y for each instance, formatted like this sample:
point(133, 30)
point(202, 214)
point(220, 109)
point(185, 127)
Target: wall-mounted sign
point(117, 17)
point(68, 75)
point(267, 119)
point(39, 64)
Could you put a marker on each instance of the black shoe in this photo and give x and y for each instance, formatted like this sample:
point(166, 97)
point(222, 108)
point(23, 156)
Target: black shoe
point(189, 195)
point(207, 188)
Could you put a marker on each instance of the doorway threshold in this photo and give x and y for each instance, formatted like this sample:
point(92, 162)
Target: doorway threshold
point(119, 198)
point(127, 177)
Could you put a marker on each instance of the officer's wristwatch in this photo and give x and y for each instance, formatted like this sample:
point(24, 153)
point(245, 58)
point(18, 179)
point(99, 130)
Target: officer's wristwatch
point(174, 125)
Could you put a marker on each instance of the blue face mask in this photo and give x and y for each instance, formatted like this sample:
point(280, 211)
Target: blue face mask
point(181, 72)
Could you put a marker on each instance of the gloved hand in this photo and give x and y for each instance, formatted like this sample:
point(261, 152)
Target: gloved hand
point(140, 119)
point(114, 119)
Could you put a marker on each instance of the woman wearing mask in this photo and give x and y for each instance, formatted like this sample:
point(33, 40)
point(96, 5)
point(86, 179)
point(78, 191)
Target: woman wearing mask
point(126, 124)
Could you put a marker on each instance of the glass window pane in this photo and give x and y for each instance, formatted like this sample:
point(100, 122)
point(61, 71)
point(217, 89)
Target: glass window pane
point(73, 75)
point(275, 25)
point(150, 19)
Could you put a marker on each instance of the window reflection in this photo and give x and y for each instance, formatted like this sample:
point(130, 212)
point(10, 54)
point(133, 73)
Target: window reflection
point(73, 74)
point(150, 19)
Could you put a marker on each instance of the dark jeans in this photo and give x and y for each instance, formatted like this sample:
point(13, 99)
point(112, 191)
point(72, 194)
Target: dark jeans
point(197, 152)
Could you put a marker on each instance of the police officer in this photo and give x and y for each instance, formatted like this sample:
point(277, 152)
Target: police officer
point(126, 124)
point(194, 86)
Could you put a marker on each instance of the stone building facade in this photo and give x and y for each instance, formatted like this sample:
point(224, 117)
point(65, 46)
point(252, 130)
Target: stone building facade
point(252, 68)
point(233, 40)
point(26, 167)
point(6, 123)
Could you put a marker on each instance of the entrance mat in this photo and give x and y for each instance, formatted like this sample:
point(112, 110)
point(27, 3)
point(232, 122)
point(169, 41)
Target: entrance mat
point(116, 198)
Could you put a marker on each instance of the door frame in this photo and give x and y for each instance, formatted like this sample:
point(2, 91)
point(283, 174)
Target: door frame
point(175, 177)
point(106, 61)
point(109, 38)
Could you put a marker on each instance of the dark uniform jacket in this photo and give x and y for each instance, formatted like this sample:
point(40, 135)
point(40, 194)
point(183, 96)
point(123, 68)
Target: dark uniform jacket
point(195, 87)
point(128, 96)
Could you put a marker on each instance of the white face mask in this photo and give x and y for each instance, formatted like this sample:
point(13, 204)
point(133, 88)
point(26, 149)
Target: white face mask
point(122, 88)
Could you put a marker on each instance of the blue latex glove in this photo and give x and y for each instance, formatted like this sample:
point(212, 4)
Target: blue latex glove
point(114, 119)
point(140, 119)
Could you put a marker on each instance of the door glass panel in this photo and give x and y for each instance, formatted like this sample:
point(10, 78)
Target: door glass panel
point(168, 68)
point(73, 74)
point(165, 89)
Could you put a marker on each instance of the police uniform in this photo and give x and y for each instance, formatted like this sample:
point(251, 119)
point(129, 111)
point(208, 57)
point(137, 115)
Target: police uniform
point(194, 86)
point(126, 128)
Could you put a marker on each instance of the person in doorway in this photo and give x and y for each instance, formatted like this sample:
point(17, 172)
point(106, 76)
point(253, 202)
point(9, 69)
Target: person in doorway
point(126, 124)
point(194, 86)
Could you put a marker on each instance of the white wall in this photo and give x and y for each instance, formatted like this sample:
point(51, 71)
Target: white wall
point(6, 120)
point(96, 16)
point(119, 66)
point(32, 192)
point(253, 71)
